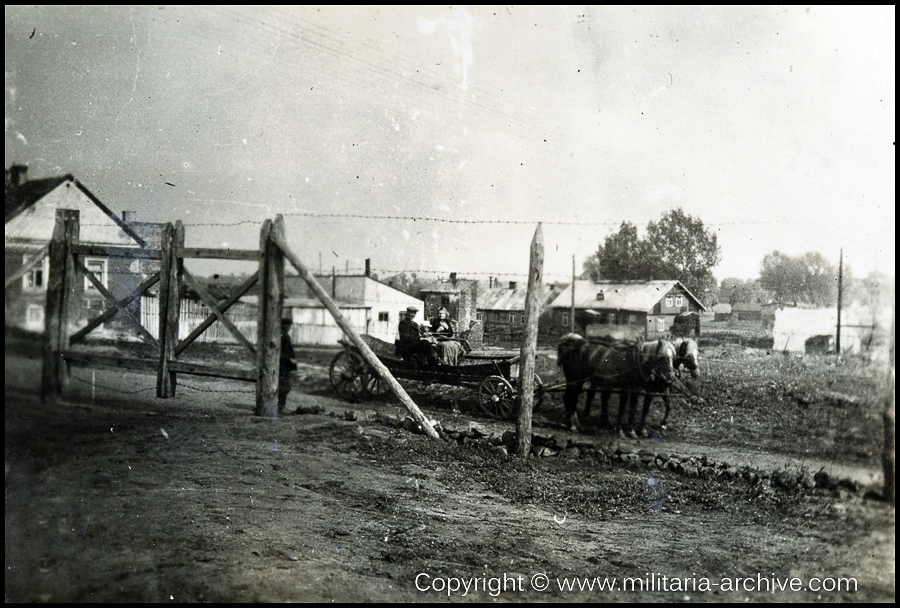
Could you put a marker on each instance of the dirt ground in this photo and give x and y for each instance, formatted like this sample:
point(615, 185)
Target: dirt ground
point(767, 472)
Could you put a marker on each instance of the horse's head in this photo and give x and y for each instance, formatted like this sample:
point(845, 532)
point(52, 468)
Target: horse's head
point(689, 356)
point(570, 353)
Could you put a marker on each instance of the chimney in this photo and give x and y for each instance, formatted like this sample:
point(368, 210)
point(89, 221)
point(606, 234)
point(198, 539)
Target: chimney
point(453, 278)
point(127, 216)
point(512, 284)
point(18, 175)
point(368, 267)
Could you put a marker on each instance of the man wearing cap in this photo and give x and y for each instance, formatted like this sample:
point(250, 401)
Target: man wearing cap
point(411, 344)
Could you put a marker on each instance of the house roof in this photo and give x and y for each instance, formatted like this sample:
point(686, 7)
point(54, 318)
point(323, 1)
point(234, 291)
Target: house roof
point(502, 298)
point(21, 197)
point(619, 295)
point(448, 287)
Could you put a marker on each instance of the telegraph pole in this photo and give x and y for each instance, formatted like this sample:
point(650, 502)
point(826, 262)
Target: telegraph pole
point(572, 308)
point(837, 339)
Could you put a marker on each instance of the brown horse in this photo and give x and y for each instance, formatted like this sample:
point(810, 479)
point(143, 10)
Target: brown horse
point(631, 369)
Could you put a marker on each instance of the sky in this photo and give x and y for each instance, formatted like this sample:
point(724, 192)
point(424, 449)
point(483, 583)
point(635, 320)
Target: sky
point(773, 125)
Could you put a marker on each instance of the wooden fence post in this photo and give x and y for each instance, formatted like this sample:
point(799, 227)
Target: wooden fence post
point(366, 352)
point(168, 309)
point(268, 323)
point(529, 344)
point(60, 298)
point(887, 419)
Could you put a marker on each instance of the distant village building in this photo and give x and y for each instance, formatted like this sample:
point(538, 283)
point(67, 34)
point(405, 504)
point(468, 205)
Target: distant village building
point(30, 213)
point(501, 311)
point(605, 307)
point(370, 307)
point(458, 296)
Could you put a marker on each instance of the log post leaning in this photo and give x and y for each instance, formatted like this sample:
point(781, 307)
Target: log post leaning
point(529, 344)
point(370, 357)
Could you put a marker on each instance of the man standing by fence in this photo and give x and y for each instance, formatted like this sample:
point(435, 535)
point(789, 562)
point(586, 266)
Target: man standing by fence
point(286, 364)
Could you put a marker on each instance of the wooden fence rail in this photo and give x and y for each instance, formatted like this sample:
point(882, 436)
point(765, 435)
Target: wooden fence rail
point(167, 315)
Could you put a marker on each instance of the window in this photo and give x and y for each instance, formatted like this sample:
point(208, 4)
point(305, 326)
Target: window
point(522, 319)
point(661, 324)
point(96, 267)
point(679, 301)
point(632, 319)
point(479, 316)
point(512, 318)
point(34, 316)
point(612, 318)
point(669, 302)
point(36, 278)
point(565, 318)
point(384, 316)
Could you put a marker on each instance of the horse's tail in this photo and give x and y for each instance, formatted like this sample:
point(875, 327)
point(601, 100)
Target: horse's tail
point(568, 345)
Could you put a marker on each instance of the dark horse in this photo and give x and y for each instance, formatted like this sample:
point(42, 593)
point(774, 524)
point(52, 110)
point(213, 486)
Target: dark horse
point(631, 368)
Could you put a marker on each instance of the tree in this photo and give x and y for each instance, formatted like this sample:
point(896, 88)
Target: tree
point(808, 278)
point(678, 246)
point(684, 249)
point(410, 285)
point(623, 256)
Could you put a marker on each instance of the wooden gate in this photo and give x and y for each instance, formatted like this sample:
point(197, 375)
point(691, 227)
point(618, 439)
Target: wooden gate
point(67, 267)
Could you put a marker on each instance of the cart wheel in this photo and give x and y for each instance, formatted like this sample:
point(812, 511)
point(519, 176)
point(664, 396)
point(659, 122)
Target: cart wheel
point(497, 397)
point(375, 385)
point(348, 374)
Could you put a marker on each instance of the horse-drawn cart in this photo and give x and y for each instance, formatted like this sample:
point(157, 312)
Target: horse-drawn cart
point(494, 375)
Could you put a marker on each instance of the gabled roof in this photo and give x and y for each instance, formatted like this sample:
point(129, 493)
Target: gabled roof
point(21, 197)
point(639, 296)
point(503, 298)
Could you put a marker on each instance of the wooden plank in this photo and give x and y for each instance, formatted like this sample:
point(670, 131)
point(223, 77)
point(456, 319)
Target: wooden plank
point(59, 296)
point(218, 254)
point(197, 369)
point(529, 344)
point(109, 312)
point(89, 359)
point(214, 307)
point(268, 323)
point(241, 290)
point(116, 251)
point(112, 299)
point(28, 265)
point(363, 348)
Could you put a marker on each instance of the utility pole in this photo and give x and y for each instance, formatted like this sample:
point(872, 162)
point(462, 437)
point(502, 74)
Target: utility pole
point(572, 307)
point(837, 339)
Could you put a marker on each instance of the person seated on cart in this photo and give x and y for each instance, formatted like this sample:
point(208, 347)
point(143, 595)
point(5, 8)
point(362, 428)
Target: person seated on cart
point(414, 343)
point(441, 325)
point(449, 351)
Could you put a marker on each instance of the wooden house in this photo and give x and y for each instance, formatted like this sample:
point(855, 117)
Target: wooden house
point(606, 307)
point(31, 207)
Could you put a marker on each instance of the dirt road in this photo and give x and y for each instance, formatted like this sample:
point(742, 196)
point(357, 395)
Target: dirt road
point(113, 495)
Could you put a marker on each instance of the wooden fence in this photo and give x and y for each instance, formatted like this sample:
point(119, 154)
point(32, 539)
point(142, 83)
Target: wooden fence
point(67, 269)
